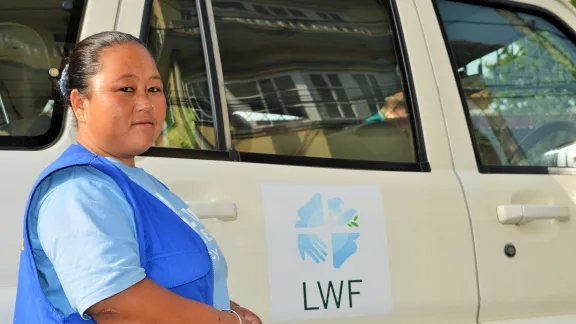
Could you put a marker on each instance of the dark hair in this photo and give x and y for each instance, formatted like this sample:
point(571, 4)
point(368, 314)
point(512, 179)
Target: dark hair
point(83, 62)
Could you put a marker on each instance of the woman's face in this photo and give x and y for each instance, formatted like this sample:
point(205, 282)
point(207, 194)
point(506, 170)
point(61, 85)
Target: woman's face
point(123, 113)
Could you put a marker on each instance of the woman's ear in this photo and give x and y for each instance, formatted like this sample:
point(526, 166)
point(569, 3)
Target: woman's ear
point(78, 102)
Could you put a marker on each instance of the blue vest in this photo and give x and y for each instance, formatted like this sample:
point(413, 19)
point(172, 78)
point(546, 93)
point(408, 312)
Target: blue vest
point(171, 252)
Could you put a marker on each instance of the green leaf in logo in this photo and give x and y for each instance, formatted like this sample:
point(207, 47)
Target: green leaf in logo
point(354, 222)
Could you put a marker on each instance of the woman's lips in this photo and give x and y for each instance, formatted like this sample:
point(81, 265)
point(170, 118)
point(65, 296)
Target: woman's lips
point(143, 124)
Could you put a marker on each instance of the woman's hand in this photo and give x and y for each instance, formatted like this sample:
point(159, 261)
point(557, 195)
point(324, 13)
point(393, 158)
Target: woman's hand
point(235, 319)
point(245, 314)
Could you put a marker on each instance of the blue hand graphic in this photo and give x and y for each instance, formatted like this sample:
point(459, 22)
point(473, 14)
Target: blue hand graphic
point(335, 206)
point(311, 214)
point(312, 245)
point(343, 247)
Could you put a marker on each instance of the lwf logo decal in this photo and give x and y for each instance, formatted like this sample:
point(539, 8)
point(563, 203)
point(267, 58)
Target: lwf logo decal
point(327, 251)
point(342, 245)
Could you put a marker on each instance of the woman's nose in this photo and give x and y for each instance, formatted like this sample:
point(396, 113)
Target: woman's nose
point(143, 101)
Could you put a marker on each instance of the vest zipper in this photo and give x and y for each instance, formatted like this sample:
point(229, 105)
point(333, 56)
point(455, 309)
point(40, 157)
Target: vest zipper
point(212, 271)
point(213, 280)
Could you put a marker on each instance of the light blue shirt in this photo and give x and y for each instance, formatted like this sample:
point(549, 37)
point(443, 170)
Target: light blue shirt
point(83, 237)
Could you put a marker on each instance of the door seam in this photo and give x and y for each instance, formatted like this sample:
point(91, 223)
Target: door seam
point(464, 195)
point(118, 13)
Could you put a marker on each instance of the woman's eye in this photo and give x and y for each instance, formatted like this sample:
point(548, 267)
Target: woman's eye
point(155, 89)
point(127, 89)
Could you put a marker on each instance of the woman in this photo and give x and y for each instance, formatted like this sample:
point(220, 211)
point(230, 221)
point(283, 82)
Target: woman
point(104, 241)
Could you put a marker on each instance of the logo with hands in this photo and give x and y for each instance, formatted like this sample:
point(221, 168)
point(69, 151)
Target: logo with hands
point(312, 246)
point(342, 245)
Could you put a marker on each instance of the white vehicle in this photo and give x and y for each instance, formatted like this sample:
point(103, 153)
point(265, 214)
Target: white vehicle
point(366, 161)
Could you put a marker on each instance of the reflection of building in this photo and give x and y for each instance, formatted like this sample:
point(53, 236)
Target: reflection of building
point(317, 95)
point(296, 15)
point(296, 73)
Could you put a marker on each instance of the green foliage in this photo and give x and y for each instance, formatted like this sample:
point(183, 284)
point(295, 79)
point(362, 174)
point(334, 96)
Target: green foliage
point(354, 222)
point(531, 83)
point(528, 80)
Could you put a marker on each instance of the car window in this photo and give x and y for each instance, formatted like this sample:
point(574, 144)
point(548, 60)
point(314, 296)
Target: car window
point(517, 71)
point(314, 80)
point(322, 80)
point(174, 39)
point(35, 36)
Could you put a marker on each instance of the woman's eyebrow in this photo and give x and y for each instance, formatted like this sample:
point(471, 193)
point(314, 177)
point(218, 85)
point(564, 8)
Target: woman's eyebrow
point(127, 76)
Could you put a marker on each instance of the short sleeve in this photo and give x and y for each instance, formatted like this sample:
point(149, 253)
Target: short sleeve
point(87, 230)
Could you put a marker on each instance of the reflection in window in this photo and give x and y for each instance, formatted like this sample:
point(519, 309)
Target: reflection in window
point(316, 80)
point(268, 100)
point(33, 39)
point(518, 74)
point(174, 38)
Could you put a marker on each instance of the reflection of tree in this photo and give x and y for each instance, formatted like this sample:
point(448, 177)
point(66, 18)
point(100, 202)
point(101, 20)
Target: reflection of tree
point(183, 125)
point(531, 83)
point(177, 108)
point(542, 37)
point(536, 78)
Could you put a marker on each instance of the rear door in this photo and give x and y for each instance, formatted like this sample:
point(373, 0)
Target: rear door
point(509, 99)
point(317, 158)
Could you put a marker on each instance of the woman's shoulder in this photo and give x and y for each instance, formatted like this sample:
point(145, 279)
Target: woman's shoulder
point(79, 193)
point(83, 180)
point(78, 174)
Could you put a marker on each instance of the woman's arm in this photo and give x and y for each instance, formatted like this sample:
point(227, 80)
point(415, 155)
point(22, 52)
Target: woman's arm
point(148, 303)
point(87, 231)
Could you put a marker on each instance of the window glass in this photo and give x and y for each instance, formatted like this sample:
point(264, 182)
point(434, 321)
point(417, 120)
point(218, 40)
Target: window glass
point(35, 36)
point(518, 74)
point(318, 79)
point(174, 38)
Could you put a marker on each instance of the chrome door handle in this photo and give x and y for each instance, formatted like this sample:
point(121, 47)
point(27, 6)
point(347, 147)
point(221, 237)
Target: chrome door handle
point(521, 214)
point(225, 211)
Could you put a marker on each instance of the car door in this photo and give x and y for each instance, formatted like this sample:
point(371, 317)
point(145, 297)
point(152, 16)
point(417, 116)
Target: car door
point(508, 99)
point(317, 156)
point(35, 37)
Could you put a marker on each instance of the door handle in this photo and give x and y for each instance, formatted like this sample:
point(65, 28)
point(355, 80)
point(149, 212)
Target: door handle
point(224, 211)
point(521, 214)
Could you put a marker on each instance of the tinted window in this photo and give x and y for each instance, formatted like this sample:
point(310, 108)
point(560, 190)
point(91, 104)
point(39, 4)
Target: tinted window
point(34, 37)
point(518, 73)
point(174, 38)
point(320, 80)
